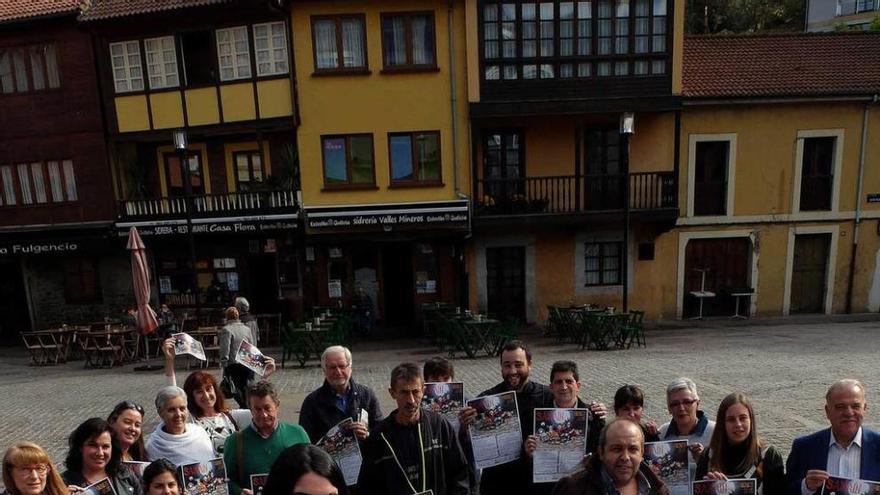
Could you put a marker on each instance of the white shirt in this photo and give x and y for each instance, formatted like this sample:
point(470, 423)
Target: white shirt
point(843, 462)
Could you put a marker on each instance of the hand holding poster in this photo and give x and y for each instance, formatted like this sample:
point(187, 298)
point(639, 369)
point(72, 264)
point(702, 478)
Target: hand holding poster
point(251, 358)
point(669, 461)
point(343, 447)
point(562, 443)
point(843, 486)
point(103, 487)
point(185, 344)
point(726, 487)
point(446, 399)
point(495, 433)
point(258, 481)
point(204, 478)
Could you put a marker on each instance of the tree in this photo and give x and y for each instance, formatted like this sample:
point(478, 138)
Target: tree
point(739, 16)
point(875, 25)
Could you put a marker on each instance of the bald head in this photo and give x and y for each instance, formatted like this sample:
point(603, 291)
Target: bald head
point(621, 450)
point(844, 385)
point(620, 426)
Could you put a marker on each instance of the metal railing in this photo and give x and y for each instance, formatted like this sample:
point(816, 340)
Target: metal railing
point(571, 194)
point(203, 205)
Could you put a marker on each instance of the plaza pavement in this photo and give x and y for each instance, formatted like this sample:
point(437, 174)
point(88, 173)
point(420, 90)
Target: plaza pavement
point(785, 368)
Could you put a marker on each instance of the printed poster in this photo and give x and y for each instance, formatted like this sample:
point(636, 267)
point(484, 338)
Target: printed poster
point(844, 486)
point(251, 358)
point(258, 481)
point(495, 434)
point(728, 487)
point(103, 487)
point(185, 344)
point(669, 461)
point(341, 443)
point(446, 399)
point(204, 478)
point(562, 443)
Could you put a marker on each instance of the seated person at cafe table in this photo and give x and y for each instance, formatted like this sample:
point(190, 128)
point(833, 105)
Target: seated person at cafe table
point(339, 397)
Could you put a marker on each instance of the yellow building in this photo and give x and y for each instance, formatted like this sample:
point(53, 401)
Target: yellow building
point(382, 143)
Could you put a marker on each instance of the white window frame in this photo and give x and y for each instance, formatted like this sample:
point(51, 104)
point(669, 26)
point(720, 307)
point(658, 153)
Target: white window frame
point(127, 67)
point(693, 139)
point(580, 277)
point(39, 182)
point(274, 70)
point(69, 180)
point(238, 71)
point(7, 177)
point(837, 166)
point(830, 269)
point(55, 181)
point(24, 183)
point(169, 79)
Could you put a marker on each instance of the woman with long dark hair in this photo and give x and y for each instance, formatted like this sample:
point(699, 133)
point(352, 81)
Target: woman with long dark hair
point(94, 455)
point(28, 470)
point(305, 469)
point(737, 451)
point(126, 419)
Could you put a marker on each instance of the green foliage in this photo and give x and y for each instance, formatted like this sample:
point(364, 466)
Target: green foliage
point(875, 25)
point(743, 16)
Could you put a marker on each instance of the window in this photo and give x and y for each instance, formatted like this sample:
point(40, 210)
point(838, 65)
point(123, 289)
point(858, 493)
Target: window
point(817, 173)
point(408, 41)
point(31, 68)
point(161, 62)
point(126, 60)
point(415, 157)
point(174, 174)
point(233, 53)
point(37, 183)
point(602, 263)
point(81, 280)
point(710, 177)
point(339, 43)
point(270, 48)
point(348, 160)
point(198, 56)
point(248, 168)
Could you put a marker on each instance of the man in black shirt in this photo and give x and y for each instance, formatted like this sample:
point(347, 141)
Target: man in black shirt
point(516, 364)
point(413, 450)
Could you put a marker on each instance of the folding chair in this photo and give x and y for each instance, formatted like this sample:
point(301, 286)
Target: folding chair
point(34, 347)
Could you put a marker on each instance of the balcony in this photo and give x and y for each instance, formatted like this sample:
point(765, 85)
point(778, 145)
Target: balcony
point(851, 7)
point(242, 203)
point(570, 194)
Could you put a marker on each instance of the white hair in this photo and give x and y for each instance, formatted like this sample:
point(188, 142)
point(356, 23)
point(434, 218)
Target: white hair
point(335, 349)
point(844, 383)
point(682, 383)
point(167, 393)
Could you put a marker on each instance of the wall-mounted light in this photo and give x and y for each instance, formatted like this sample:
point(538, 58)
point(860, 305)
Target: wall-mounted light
point(180, 140)
point(627, 123)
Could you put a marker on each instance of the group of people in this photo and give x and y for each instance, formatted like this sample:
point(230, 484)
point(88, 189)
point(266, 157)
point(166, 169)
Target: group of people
point(414, 450)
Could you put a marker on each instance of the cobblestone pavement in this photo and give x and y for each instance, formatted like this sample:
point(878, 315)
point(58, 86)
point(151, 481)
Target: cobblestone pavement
point(784, 368)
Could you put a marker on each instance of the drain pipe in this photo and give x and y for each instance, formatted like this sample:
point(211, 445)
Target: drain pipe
point(453, 97)
point(858, 218)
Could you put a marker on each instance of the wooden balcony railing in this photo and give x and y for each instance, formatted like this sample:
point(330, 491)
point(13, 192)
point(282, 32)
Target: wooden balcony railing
point(209, 205)
point(561, 194)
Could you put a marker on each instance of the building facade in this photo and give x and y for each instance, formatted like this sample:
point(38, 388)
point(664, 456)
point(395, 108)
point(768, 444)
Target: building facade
point(828, 15)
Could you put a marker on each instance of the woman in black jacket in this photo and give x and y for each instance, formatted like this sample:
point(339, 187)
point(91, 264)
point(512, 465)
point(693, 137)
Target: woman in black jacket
point(94, 455)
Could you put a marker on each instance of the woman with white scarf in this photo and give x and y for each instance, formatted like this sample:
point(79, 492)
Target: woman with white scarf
point(174, 438)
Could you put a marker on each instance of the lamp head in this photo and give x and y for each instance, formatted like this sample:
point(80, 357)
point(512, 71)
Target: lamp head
point(627, 123)
point(180, 140)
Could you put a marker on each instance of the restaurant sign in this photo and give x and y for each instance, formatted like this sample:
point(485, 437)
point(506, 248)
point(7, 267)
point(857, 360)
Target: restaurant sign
point(389, 217)
point(252, 225)
point(38, 247)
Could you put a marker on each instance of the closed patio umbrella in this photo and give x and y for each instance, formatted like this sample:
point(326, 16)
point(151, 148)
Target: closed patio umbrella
point(140, 279)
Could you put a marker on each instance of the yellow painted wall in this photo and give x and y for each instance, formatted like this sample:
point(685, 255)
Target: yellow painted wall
point(167, 110)
point(132, 113)
point(202, 106)
point(677, 47)
point(274, 98)
point(230, 148)
point(473, 57)
point(379, 103)
point(206, 168)
point(652, 146)
point(238, 102)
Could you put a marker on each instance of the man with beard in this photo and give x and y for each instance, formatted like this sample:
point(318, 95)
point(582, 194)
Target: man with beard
point(339, 398)
point(516, 363)
point(413, 450)
point(618, 467)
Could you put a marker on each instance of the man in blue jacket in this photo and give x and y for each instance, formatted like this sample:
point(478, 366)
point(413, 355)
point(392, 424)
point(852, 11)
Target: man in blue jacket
point(846, 450)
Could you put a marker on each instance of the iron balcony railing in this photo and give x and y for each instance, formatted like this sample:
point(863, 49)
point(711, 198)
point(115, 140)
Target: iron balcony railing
point(210, 205)
point(560, 194)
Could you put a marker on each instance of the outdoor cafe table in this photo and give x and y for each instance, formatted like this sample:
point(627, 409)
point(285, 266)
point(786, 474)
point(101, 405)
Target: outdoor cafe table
point(56, 342)
point(306, 343)
point(110, 346)
point(479, 334)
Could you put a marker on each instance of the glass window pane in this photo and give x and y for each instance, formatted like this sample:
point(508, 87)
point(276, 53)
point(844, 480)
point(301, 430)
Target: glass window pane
point(55, 182)
point(659, 7)
point(38, 74)
point(510, 72)
point(428, 154)
point(326, 54)
point(394, 40)
point(401, 158)
point(585, 10)
point(353, 43)
point(242, 167)
point(39, 182)
point(6, 85)
point(21, 79)
point(361, 159)
point(335, 170)
point(490, 12)
point(7, 177)
point(52, 66)
point(422, 40)
point(25, 184)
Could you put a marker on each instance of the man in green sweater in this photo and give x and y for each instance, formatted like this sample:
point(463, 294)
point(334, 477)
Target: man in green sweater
point(254, 449)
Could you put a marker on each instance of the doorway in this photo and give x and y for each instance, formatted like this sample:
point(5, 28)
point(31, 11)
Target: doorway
point(725, 263)
point(263, 272)
point(397, 285)
point(506, 282)
point(808, 273)
point(13, 304)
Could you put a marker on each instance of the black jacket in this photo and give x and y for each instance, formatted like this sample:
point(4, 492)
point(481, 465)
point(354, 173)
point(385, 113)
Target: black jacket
point(125, 482)
point(516, 476)
point(770, 471)
point(446, 469)
point(319, 413)
point(589, 480)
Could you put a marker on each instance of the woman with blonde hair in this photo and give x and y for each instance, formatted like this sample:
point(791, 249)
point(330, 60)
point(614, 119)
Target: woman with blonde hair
point(27, 470)
point(736, 450)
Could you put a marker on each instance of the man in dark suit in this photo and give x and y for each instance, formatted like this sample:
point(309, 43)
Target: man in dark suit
point(845, 450)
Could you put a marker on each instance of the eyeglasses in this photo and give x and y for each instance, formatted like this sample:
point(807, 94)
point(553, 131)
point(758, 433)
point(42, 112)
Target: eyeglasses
point(125, 405)
point(686, 403)
point(41, 469)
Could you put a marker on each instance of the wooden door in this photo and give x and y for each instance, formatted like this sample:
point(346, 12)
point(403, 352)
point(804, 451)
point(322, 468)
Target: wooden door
point(506, 282)
point(809, 267)
point(727, 266)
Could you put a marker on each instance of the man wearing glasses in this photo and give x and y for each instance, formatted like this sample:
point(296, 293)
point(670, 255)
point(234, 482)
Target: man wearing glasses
point(339, 398)
point(688, 421)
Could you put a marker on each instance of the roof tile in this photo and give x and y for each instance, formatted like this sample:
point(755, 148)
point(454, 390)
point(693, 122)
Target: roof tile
point(11, 10)
point(106, 9)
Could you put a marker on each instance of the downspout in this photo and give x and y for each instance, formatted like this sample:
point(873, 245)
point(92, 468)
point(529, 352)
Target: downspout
point(858, 218)
point(453, 98)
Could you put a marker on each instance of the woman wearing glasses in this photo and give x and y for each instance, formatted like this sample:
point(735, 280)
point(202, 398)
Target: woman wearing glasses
point(126, 420)
point(305, 470)
point(736, 450)
point(27, 470)
point(688, 421)
point(95, 455)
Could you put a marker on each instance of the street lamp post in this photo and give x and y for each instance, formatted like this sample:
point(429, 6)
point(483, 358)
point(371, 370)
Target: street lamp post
point(180, 146)
point(627, 129)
